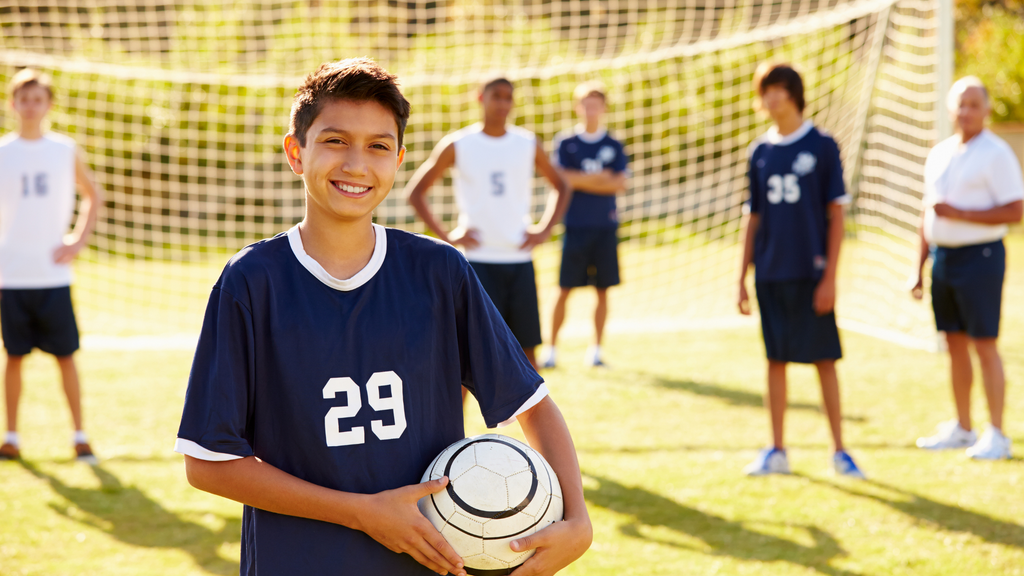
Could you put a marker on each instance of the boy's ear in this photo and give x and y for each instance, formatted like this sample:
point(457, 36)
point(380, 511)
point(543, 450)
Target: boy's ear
point(292, 151)
point(401, 157)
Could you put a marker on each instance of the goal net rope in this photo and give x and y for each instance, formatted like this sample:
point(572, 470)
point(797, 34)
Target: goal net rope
point(181, 107)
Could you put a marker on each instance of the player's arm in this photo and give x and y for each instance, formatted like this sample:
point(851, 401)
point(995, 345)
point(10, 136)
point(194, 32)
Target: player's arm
point(917, 281)
point(751, 221)
point(604, 183)
point(561, 543)
point(441, 159)
point(92, 199)
point(1005, 214)
point(390, 517)
point(825, 293)
point(558, 201)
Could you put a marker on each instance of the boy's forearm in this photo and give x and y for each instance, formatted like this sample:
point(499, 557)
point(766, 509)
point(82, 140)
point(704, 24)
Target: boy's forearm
point(547, 432)
point(261, 485)
point(924, 249)
point(750, 223)
point(558, 203)
point(419, 205)
point(605, 182)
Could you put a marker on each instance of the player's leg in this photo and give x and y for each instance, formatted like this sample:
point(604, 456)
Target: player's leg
point(72, 388)
point(830, 399)
point(775, 401)
point(961, 375)
point(16, 325)
point(12, 394)
point(557, 319)
point(993, 378)
point(605, 261)
point(524, 308)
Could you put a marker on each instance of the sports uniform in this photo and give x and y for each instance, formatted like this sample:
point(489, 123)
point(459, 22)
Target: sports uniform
point(793, 179)
point(349, 384)
point(493, 190)
point(37, 201)
point(968, 258)
point(590, 246)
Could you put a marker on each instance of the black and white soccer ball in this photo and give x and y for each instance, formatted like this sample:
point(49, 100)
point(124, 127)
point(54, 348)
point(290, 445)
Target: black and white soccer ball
point(499, 489)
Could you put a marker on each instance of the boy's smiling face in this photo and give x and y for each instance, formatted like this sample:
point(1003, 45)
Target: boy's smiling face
point(350, 158)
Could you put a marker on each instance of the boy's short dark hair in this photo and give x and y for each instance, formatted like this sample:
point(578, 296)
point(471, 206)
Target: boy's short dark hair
point(30, 77)
point(591, 88)
point(492, 81)
point(358, 79)
point(781, 75)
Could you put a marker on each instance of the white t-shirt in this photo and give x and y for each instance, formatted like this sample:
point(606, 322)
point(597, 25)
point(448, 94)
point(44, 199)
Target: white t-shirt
point(978, 175)
point(37, 201)
point(493, 180)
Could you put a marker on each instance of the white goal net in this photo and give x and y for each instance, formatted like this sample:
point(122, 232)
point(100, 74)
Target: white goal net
point(181, 107)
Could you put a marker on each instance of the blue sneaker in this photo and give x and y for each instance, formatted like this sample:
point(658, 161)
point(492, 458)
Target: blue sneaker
point(768, 461)
point(844, 465)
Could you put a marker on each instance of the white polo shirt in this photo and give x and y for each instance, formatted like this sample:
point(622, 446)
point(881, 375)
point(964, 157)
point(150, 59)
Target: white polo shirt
point(978, 175)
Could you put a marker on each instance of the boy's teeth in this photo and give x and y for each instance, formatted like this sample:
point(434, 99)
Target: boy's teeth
point(352, 189)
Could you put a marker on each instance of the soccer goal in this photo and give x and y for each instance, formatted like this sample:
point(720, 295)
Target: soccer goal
point(181, 107)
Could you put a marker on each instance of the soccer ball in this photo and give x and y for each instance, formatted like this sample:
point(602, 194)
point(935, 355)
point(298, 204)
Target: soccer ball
point(499, 489)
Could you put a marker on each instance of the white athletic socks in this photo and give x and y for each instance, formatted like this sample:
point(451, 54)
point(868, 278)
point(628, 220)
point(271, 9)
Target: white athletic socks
point(12, 439)
point(79, 438)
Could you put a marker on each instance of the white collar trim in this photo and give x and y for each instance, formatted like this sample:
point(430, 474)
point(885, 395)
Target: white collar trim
point(773, 136)
point(588, 137)
point(380, 249)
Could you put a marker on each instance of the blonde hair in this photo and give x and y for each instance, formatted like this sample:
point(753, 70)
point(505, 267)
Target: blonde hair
point(591, 88)
point(30, 77)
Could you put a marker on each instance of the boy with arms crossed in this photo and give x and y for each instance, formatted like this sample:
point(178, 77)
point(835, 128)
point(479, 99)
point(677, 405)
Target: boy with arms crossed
point(39, 172)
point(494, 164)
point(973, 189)
point(329, 367)
point(792, 234)
point(594, 163)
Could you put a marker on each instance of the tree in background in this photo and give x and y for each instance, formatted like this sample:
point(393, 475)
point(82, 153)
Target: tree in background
point(990, 45)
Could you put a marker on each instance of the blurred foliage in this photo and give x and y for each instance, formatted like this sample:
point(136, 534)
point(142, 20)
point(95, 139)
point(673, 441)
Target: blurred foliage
point(990, 45)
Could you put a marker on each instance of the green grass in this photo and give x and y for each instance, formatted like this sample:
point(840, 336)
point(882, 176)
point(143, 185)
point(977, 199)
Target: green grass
point(662, 438)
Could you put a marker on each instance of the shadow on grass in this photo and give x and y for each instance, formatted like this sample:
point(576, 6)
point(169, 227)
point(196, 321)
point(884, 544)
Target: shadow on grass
point(940, 516)
point(126, 513)
point(735, 397)
point(724, 537)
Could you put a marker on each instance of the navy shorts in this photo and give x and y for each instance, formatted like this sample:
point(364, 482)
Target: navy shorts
point(792, 331)
point(38, 318)
point(590, 257)
point(967, 288)
point(513, 290)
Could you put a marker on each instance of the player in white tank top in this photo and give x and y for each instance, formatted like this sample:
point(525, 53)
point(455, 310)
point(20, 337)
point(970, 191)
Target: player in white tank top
point(493, 165)
point(38, 176)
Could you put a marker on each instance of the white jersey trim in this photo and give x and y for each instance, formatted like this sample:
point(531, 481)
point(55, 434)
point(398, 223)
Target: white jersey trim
point(190, 448)
point(380, 249)
point(773, 137)
point(539, 395)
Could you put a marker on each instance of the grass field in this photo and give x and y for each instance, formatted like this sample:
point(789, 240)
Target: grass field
point(662, 437)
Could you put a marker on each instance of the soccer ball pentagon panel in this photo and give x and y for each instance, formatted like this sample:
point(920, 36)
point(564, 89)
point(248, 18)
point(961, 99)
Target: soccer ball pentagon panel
point(499, 489)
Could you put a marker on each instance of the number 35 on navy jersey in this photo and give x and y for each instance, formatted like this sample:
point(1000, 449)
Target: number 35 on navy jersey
point(792, 181)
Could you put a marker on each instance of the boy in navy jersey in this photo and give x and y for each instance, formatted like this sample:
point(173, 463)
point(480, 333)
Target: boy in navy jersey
point(329, 367)
point(594, 163)
point(792, 234)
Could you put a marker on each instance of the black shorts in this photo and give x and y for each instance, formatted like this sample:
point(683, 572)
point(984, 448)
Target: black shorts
point(590, 257)
point(38, 318)
point(513, 290)
point(967, 288)
point(792, 331)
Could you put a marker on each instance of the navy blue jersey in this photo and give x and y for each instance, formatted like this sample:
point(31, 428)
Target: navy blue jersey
point(349, 384)
point(793, 179)
point(578, 152)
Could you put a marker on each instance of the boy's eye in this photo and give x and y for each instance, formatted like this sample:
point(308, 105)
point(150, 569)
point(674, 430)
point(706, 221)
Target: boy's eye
point(381, 147)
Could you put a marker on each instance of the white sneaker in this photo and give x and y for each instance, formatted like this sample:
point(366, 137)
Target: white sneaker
point(768, 461)
point(593, 358)
point(993, 445)
point(948, 435)
point(547, 357)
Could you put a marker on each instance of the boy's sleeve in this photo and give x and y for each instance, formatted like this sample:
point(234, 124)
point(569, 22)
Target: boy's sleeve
point(218, 403)
point(835, 191)
point(559, 156)
point(621, 159)
point(753, 204)
point(494, 367)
